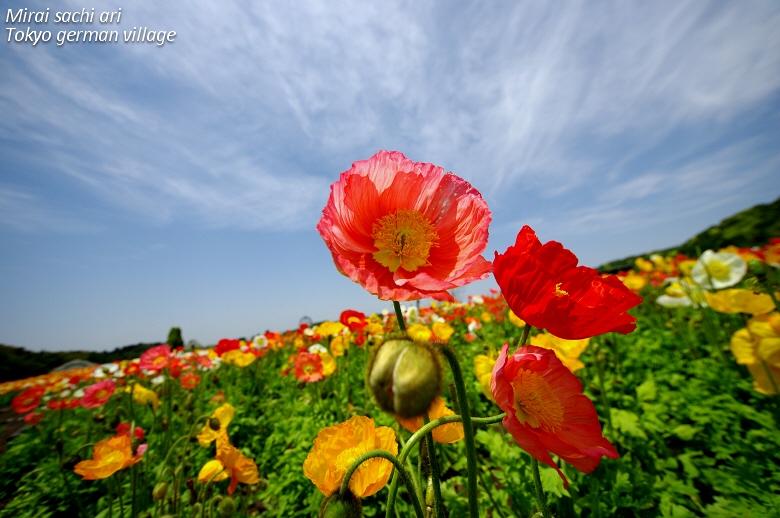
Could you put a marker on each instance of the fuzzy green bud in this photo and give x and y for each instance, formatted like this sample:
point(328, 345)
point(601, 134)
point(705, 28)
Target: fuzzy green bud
point(227, 506)
point(337, 507)
point(405, 376)
point(160, 490)
point(214, 424)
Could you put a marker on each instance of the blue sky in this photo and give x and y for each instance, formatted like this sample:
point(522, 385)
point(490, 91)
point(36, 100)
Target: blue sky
point(144, 186)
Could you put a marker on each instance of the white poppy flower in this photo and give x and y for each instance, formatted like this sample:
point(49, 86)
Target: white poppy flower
point(718, 270)
point(674, 302)
point(317, 348)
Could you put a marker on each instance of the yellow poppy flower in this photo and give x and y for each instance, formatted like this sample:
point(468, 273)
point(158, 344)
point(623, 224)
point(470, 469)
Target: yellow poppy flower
point(739, 301)
point(419, 333)
point(328, 363)
point(442, 331)
point(336, 447)
point(634, 282)
point(230, 462)
point(329, 328)
point(568, 351)
point(108, 457)
point(238, 358)
point(223, 414)
point(338, 345)
point(758, 347)
point(515, 320)
point(483, 370)
point(143, 395)
point(643, 264)
point(445, 434)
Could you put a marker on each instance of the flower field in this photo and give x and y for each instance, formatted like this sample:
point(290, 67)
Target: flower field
point(566, 393)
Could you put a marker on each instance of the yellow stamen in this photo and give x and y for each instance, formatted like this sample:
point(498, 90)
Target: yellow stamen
point(535, 402)
point(559, 292)
point(718, 270)
point(345, 459)
point(404, 240)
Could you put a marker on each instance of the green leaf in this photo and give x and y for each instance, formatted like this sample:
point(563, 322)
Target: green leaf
point(647, 391)
point(627, 423)
point(685, 431)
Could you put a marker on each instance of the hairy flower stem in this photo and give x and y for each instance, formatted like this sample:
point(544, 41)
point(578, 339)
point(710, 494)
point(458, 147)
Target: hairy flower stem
point(468, 430)
point(399, 467)
point(417, 437)
point(399, 315)
point(435, 471)
point(526, 332)
point(540, 498)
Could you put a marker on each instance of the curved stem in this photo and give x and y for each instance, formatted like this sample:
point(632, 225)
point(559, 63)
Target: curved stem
point(399, 315)
point(435, 471)
point(399, 468)
point(418, 435)
point(468, 430)
point(540, 498)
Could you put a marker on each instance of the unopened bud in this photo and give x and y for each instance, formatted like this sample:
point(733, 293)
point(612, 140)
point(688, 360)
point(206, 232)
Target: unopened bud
point(227, 506)
point(337, 507)
point(214, 424)
point(405, 376)
point(160, 490)
point(100, 418)
point(69, 462)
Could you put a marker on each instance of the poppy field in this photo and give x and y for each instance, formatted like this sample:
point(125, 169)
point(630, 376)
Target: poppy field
point(566, 393)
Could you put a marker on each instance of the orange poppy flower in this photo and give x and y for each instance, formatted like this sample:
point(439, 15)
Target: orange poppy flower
point(190, 381)
point(108, 457)
point(445, 434)
point(405, 230)
point(308, 367)
point(230, 462)
point(544, 286)
point(546, 410)
point(336, 447)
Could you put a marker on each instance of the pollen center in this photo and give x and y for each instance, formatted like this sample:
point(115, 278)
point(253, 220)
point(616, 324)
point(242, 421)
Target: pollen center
point(345, 459)
point(536, 403)
point(403, 239)
point(718, 270)
point(559, 292)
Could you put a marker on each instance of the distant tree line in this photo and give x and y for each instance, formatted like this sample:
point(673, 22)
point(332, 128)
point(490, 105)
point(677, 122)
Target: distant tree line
point(17, 362)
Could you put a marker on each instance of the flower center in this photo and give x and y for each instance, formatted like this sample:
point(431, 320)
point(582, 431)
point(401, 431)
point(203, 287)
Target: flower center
point(160, 360)
point(345, 459)
point(101, 394)
point(559, 292)
point(718, 270)
point(536, 402)
point(404, 240)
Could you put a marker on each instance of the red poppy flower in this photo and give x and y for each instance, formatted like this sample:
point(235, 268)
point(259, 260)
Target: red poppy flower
point(71, 403)
point(354, 320)
point(33, 418)
point(546, 410)
point(28, 400)
point(190, 381)
point(156, 358)
point(175, 367)
point(124, 429)
point(226, 345)
point(544, 286)
point(98, 394)
point(204, 361)
point(132, 369)
point(405, 230)
point(308, 367)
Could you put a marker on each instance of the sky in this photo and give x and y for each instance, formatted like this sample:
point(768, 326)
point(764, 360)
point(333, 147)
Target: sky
point(146, 186)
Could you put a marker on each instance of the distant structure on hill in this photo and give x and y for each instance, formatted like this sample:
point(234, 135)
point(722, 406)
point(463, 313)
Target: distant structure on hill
point(193, 344)
point(73, 364)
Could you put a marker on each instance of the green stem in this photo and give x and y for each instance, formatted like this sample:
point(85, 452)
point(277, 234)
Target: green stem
point(419, 435)
point(540, 498)
point(526, 332)
point(435, 471)
point(399, 315)
point(399, 468)
point(468, 430)
point(602, 391)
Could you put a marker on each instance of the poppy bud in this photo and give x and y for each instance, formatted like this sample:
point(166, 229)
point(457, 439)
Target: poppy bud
point(188, 403)
point(134, 444)
point(405, 376)
point(100, 418)
point(160, 490)
point(214, 424)
point(197, 509)
point(164, 423)
point(756, 267)
point(227, 506)
point(337, 507)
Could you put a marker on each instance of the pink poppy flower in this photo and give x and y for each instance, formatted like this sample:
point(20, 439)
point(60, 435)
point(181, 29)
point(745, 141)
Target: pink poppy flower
point(98, 394)
point(406, 230)
point(156, 358)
